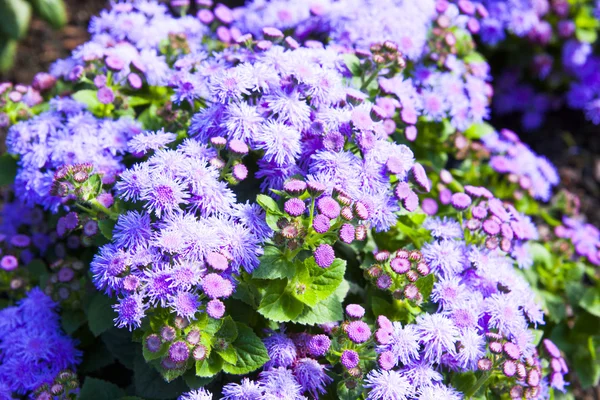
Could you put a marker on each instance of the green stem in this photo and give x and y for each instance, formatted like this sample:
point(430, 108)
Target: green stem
point(480, 382)
point(97, 207)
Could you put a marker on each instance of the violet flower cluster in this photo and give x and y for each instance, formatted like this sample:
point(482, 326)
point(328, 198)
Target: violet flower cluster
point(33, 348)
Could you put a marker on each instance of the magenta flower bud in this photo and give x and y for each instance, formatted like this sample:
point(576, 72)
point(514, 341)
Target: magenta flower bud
point(491, 227)
point(65, 274)
point(473, 25)
point(321, 223)
point(215, 309)
point(347, 213)
point(324, 255)
point(246, 38)
point(479, 212)
point(294, 206)
point(134, 81)
point(205, 16)
point(551, 348)
point(423, 268)
point(411, 291)
point(329, 207)
point(263, 45)
point(43, 81)
point(223, 14)
point(402, 190)
point(509, 368)
point(384, 282)
point(319, 345)
point(387, 360)
point(315, 188)
point(193, 337)
point(76, 73)
point(238, 147)
point(20, 240)
point(358, 331)
point(361, 233)
point(9, 263)
point(179, 352)
point(199, 353)
point(441, 6)
point(420, 177)
point(273, 34)
point(105, 95)
point(355, 311)
point(473, 224)
point(90, 228)
point(429, 206)
point(347, 233)
point(484, 364)
point(115, 63)
point(105, 199)
point(167, 333)
point(295, 187)
point(361, 210)
point(240, 172)
point(349, 359)
point(153, 343)
point(400, 265)
point(355, 97)
point(411, 202)
point(217, 261)
point(461, 201)
point(291, 43)
point(224, 34)
point(512, 350)
point(533, 378)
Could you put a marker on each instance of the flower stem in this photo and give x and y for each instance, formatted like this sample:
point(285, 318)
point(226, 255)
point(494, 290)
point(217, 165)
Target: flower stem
point(480, 382)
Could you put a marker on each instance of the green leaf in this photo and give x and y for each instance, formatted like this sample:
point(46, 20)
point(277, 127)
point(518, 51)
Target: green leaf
point(477, 131)
point(313, 283)
point(268, 204)
point(97, 389)
point(16, 15)
point(248, 293)
point(228, 354)
point(88, 97)
point(100, 314)
point(195, 382)
point(273, 265)
point(591, 301)
point(353, 64)
point(8, 169)
point(278, 304)
point(150, 385)
point(329, 310)
point(464, 382)
point(71, 321)
point(8, 51)
point(343, 393)
point(251, 352)
point(228, 330)
point(587, 369)
point(106, 227)
point(425, 285)
point(586, 35)
point(119, 343)
point(96, 357)
point(210, 366)
point(540, 253)
point(51, 11)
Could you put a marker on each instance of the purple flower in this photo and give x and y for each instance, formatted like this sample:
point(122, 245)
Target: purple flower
point(402, 343)
point(282, 350)
point(319, 345)
point(198, 394)
point(355, 311)
point(438, 335)
point(130, 310)
point(321, 224)
point(358, 331)
point(295, 207)
point(280, 142)
point(388, 385)
point(329, 207)
point(246, 390)
point(445, 257)
point(280, 383)
point(349, 359)
point(312, 376)
point(185, 304)
point(215, 286)
point(324, 255)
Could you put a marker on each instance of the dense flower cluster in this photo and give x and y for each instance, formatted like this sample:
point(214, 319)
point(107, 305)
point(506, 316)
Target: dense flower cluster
point(302, 195)
point(33, 348)
point(65, 135)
